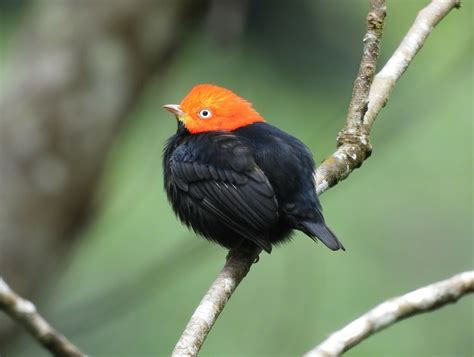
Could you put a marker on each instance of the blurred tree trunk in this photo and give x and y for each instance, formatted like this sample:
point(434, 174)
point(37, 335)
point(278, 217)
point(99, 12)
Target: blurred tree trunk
point(74, 75)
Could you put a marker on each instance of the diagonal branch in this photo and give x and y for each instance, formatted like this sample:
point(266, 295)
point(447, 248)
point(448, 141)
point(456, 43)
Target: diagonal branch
point(25, 313)
point(422, 300)
point(368, 98)
point(385, 80)
point(235, 269)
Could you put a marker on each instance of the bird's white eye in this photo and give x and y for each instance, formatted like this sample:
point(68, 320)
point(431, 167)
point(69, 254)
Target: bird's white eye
point(205, 114)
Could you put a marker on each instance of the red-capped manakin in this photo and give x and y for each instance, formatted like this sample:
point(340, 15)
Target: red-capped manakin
point(233, 178)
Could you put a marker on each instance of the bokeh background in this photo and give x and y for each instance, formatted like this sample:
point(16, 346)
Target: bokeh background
point(132, 276)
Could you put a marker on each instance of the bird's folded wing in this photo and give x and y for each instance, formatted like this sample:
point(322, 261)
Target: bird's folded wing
point(244, 201)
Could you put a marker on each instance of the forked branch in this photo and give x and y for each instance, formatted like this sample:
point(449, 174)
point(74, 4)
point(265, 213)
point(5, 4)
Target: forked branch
point(353, 140)
point(368, 98)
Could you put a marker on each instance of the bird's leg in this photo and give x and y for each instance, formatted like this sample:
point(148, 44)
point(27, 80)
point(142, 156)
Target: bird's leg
point(246, 247)
point(236, 247)
point(229, 253)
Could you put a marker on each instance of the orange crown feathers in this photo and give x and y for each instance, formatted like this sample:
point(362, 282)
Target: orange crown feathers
point(209, 108)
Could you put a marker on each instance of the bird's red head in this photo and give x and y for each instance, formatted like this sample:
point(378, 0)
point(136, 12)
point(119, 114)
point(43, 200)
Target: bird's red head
point(208, 108)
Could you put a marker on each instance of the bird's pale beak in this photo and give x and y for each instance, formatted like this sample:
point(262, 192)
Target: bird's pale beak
point(174, 109)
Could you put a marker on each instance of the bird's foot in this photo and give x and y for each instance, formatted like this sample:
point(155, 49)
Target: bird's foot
point(244, 248)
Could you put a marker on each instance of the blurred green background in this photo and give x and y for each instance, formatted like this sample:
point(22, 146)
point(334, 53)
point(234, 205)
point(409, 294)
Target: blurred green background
point(405, 217)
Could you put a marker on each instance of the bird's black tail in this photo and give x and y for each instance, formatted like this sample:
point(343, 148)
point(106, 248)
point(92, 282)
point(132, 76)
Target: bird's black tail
point(319, 230)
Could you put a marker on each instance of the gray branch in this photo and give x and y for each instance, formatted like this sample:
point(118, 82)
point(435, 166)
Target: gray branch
point(25, 313)
point(422, 300)
point(385, 80)
point(353, 149)
point(353, 140)
point(235, 269)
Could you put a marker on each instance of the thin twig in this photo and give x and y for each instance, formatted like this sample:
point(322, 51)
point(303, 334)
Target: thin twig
point(353, 146)
point(25, 313)
point(422, 300)
point(385, 80)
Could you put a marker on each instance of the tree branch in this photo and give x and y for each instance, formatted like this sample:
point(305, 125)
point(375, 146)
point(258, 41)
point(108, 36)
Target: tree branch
point(25, 313)
point(239, 262)
point(368, 98)
point(385, 80)
point(422, 300)
point(235, 269)
point(353, 140)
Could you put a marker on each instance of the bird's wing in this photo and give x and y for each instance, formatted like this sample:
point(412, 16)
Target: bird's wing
point(242, 200)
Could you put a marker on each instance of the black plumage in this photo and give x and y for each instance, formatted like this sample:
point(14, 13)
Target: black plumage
point(253, 184)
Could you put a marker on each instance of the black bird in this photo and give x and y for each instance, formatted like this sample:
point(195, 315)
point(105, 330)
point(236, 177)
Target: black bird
point(235, 179)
